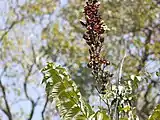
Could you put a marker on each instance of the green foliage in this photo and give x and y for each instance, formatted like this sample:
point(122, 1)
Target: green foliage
point(40, 7)
point(119, 18)
point(70, 102)
point(158, 73)
point(156, 113)
point(101, 115)
point(61, 88)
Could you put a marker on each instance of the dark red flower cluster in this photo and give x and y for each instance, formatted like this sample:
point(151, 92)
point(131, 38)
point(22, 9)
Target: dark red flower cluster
point(94, 38)
point(93, 19)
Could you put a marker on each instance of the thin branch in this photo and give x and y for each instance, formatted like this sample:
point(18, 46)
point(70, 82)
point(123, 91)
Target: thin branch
point(9, 28)
point(7, 111)
point(120, 69)
point(44, 108)
point(33, 104)
point(34, 56)
point(6, 32)
point(99, 94)
point(4, 111)
point(25, 83)
point(146, 50)
point(118, 83)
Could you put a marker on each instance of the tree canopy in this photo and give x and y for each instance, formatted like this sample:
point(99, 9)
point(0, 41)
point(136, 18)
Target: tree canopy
point(35, 32)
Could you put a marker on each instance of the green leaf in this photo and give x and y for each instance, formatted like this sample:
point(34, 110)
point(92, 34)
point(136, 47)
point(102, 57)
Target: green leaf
point(135, 80)
point(126, 108)
point(61, 88)
point(158, 74)
point(132, 77)
point(101, 115)
point(156, 113)
point(138, 78)
point(124, 118)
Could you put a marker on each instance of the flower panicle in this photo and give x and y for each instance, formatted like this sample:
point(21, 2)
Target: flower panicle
point(94, 38)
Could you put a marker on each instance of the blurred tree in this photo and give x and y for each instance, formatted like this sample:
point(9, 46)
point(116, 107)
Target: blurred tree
point(35, 32)
point(22, 96)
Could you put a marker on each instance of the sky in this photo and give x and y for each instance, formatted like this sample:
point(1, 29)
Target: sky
point(33, 32)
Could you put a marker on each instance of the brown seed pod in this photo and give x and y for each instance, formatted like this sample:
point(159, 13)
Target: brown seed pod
point(90, 52)
point(95, 39)
point(107, 62)
point(86, 36)
point(89, 28)
point(83, 23)
point(89, 64)
point(103, 89)
point(101, 39)
point(104, 80)
point(89, 42)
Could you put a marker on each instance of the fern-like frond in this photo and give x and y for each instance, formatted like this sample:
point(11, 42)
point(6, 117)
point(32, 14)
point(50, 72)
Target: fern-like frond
point(156, 113)
point(61, 88)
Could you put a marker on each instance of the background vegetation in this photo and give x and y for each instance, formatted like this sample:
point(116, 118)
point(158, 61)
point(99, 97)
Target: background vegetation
point(35, 32)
